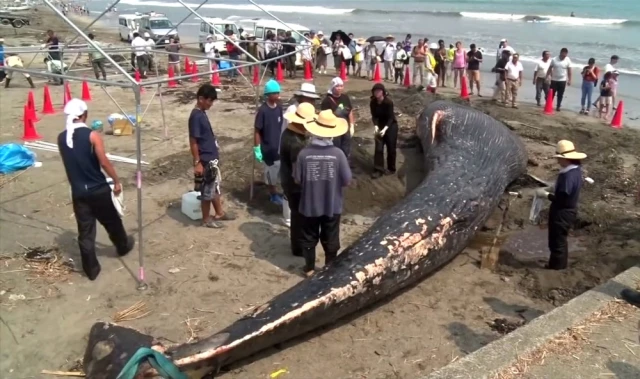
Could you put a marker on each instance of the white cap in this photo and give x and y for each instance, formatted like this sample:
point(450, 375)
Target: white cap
point(147, 35)
point(503, 40)
point(209, 36)
point(434, 45)
point(320, 33)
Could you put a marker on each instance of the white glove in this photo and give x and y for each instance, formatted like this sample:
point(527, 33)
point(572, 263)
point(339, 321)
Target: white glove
point(376, 130)
point(542, 192)
point(383, 131)
point(352, 129)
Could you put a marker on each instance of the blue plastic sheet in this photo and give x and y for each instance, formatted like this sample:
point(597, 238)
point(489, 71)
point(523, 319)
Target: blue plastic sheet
point(14, 157)
point(223, 64)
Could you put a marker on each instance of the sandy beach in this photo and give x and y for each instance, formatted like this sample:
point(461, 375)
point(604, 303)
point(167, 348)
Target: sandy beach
point(202, 280)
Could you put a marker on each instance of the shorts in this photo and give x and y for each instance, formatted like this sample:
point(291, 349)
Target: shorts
point(606, 101)
point(272, 173)
point(209, 183)
point(474, 75)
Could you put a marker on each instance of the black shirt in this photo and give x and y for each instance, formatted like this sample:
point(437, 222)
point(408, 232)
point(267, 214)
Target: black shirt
point(382, 113)
point(474, 64)
point(53, 48)
point(290, 146)
point(500, 68)
point(341, 106)
point(289, 48)
point(81, 163)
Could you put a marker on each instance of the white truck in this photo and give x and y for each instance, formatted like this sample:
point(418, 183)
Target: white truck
point(158, 26)
point(221, 26)
point(261, 27)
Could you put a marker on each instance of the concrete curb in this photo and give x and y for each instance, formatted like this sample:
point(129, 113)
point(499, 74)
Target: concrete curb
point(488, 361)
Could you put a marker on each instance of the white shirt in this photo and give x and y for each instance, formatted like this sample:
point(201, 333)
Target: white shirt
point(150, 45)
point(514, 70)
point(542, 68)
point(608, 68)
point(389, 52)
point(210, 49)
point(139, 46)
point(560, 69)
point(305, 50)
point(507, 48)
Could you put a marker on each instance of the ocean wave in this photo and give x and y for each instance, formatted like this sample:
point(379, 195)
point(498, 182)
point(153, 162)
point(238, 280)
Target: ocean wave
point(246, 7)
point(575, 21)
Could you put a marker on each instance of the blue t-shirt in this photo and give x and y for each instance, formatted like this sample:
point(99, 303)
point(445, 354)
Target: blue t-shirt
point(567, 192)
point(269, 124)
point(200, 130)
point(322, 172)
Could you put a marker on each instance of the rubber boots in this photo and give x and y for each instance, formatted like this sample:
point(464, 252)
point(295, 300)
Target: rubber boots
point(6, 83)
point(31, 82)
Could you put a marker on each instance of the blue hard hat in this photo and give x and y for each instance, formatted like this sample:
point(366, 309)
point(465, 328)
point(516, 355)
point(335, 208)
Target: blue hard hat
point(271, 87)
point(96, 124)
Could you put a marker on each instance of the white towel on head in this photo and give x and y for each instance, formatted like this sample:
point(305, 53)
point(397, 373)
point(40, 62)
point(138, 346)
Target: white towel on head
point(74, 109)
point(334, 83)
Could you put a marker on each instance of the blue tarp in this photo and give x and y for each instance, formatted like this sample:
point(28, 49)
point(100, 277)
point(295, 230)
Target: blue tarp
point(14, 157)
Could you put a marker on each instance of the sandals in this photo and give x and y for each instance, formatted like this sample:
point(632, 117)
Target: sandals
point(212, 224)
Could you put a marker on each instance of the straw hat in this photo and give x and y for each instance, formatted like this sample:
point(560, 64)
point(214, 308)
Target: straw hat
point(565, 149)
point(327, 125)
point(304, 113)
point(390, 37)
point(361, 41)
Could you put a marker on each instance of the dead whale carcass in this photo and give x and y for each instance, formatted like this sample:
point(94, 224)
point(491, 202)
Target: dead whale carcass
point(470, 160)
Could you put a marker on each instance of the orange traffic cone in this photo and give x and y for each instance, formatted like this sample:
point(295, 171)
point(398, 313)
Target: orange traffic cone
point(67, 94)
point(616, 121)
point(548, 105)
point(29, 131)
point(279, 73)
point(86, 93)
point(464, 90)
point(31, 103)
point(194, 70)
point(138, 80)
point(47, 106)
point(343, 72)
point(187, 66)
point(171, 83)
point(308, 72)
point(256, 75)
point(407, 78)
point(376, 73)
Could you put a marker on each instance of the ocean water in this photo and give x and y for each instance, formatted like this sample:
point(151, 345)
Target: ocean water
point(599, 29)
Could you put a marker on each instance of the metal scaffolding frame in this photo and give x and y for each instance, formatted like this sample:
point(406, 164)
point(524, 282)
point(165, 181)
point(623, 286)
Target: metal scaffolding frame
point(137, 86)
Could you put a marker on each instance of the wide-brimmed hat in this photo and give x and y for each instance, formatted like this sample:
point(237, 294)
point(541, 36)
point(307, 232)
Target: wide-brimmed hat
point(307, 90)
point(304, 113)
point(390, 37)
point(361, 41)
point(565, 149)
point(327, 125)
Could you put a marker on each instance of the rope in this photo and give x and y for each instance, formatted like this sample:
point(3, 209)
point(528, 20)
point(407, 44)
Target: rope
point(158, 361)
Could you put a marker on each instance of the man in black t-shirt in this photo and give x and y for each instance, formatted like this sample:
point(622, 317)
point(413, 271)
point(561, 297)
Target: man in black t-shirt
point(289, 46)
point(500, 69)
point(474, 58)
point(52, 45)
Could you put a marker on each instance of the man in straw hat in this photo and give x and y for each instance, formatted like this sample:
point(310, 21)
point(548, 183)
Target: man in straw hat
point(564, 196)
point(293, 139)
point(322, 171)
point(83, 155)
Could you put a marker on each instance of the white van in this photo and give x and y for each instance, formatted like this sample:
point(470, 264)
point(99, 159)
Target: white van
point(127, 25)
point(158, 26)
point(261, 27)
point(220, 25)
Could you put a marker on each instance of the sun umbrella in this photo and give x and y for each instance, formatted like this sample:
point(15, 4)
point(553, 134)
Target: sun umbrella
point(373, 39)
point(343, 36)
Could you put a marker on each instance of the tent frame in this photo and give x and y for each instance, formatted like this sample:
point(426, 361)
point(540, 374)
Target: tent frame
point(137, 87)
